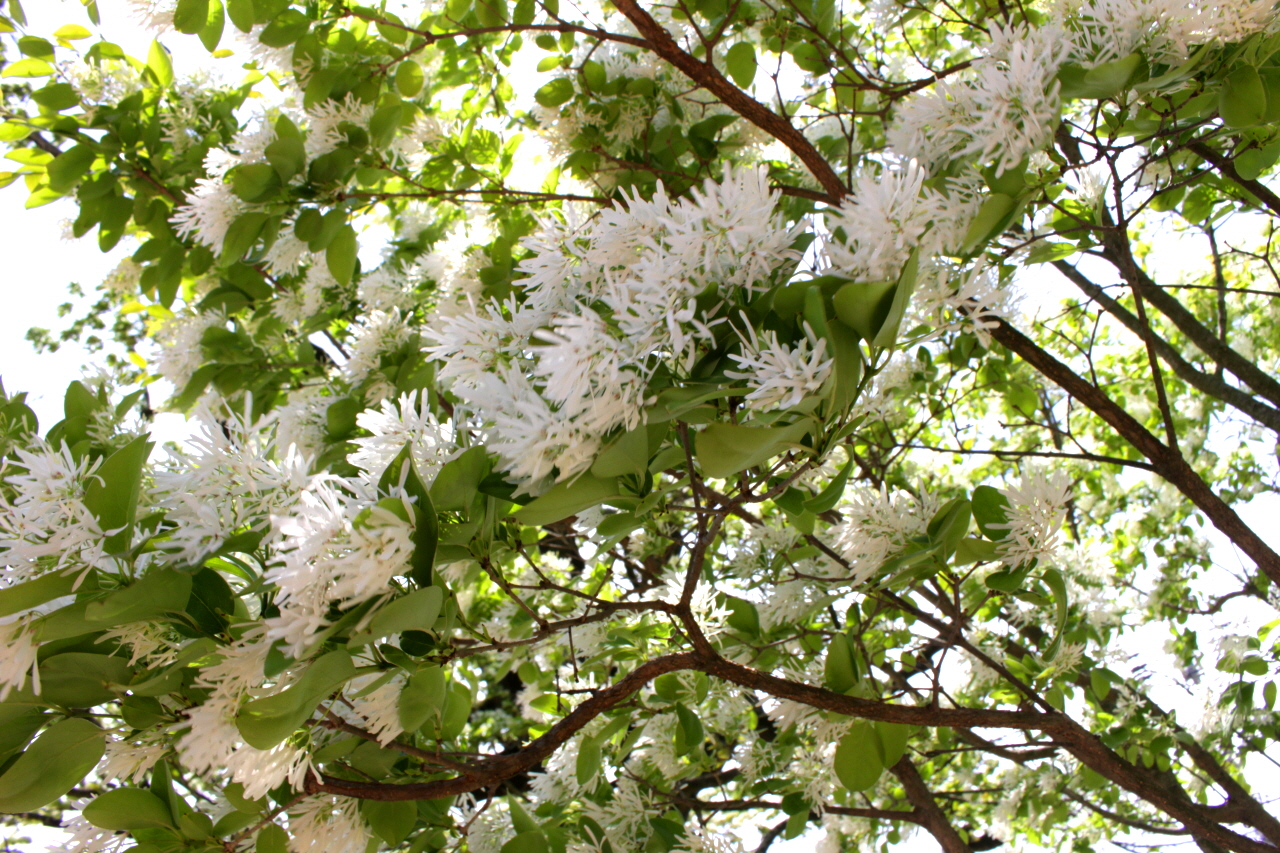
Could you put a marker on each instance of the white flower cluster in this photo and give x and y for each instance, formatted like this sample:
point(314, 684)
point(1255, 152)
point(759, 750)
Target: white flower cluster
point(1037, 509)
point(606, 303)
point(1164, 30)
point(878, 524)
point(1000, 110)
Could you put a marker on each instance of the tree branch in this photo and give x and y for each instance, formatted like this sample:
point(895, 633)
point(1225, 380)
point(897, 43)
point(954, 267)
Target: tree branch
point(1167, 463)
point(1187, 372)
point(1225, 165)
point(709, 77)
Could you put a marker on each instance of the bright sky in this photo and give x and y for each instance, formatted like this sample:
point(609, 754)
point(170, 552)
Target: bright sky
point(39, 264)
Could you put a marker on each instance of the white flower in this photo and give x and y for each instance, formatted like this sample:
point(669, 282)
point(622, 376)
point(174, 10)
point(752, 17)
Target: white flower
point(84, 837)
point(130, 761)
point(46, 523)
point(327, 824)
point(324, 118)
point(212, 206)
point(381, 710)
point(337, 547)
point(1002, 109)
point(179, 352)
point(153, 15)
point(18, 648)
point(211, 737)
point(228, 479)
point(261, 770)
point(1037, 508)
point(379, 333)
point(781, 376)
point(406, 421)
point(878, 524)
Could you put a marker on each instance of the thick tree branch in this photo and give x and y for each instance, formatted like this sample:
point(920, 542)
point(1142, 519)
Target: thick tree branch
point(491, 771)
point(1167, 463)
point(1118, 253)
point(932, 817)
point(709, 77)
point(1208, 383)
point(1224, 164)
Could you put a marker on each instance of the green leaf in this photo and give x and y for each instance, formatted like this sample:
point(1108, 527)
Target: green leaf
point(568, 498)
point(588, 763)
point(391, 821)
point(24, 596)
point(69, 166)
point(127, 809)
point(740, 62)
point(864, 306)
point(857, 760)
point(840, 672)
point(1242, 101)
point(271, 839)
point(51, 766)
point(265, 722)
point(82, 680)
point(21, 716)
point(723, 450)
point(743, 616)
point(830, 496)
point(891, 741)
point(112, 496)
point(72, 32)
point(242, 235)
point(211, 601)
point(190, 16)
point(235, 796)
point(416, 611)
point(990, 508)
point(689, 734)
point(255, 182)
point(1045, 251)
point(288, 156)
point(1054, 580)
point(974, 550)
point(385, 123)
point(142, 712)
point(1100, 684)
point(532, 841)
point(458, 482)
point(28, 68)
point(492, 13)
point(628, 454)
point(426, 532)
point(949, 525)
point(289, 26)
point(555, 93)
point(1102, 81)
point(159, 65)
point(56, 96)
point(241, 14)
point(423, 696)
point(595, 75)
point(993, 217)
point(409, 78)
point(211, 32)
point(159, 591)
point(340, 256)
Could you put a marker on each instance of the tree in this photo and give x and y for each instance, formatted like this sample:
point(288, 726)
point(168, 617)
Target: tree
point(683, 465)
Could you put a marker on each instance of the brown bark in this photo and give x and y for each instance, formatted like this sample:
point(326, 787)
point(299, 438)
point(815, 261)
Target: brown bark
point(1212, 385)
point(709, 77)
point(1164, 460)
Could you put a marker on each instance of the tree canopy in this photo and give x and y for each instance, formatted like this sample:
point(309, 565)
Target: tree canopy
point(639, 426)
